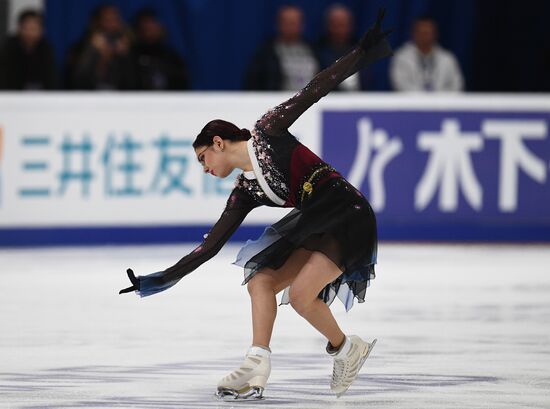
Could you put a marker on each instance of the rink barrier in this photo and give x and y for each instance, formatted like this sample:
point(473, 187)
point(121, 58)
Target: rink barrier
point(69, 236)
point(103, 168)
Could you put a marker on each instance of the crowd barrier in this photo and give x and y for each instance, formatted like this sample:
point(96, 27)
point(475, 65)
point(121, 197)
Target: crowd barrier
point(120, 168)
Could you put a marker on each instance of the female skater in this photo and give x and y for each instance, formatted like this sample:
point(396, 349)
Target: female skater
point(325, 247)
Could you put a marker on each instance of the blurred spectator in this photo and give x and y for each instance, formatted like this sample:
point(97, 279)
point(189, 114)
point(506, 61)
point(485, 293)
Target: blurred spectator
point(102, 59)
point(158, 66)
point(26, 59)
point(338, 41)
point(286, 62)
point(422, 65)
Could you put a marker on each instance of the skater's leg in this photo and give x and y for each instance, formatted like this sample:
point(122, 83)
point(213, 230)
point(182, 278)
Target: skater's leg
point(249, 380)
point(315, 274)
point(264, 308)
point(350, 352)
point(263, 287)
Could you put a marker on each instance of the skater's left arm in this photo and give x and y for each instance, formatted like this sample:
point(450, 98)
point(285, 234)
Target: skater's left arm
point(372, 47)
point(238, 206)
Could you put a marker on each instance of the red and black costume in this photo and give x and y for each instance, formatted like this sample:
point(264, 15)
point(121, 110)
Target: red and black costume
point(329, 215)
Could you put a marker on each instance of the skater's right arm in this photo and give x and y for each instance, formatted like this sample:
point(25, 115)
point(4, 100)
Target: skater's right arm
point(372, 46)
point(237, 208)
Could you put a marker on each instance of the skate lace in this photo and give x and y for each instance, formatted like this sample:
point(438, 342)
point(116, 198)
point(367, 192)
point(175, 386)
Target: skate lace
point(338, 370)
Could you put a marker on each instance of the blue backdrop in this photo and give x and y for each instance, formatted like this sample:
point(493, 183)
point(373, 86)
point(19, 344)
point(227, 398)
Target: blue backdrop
point(218, 38)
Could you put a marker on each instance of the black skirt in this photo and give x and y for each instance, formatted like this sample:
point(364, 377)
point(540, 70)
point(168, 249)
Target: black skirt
point(336, 220)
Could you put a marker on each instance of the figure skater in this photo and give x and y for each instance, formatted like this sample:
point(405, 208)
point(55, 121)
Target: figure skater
point(325, 247)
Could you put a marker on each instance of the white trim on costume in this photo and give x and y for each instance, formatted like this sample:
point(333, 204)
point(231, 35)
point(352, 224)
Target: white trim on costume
point(259, 175)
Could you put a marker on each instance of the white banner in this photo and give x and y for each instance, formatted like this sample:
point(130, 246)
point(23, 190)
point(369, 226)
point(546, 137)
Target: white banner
point(83, 160)
point(111, 159)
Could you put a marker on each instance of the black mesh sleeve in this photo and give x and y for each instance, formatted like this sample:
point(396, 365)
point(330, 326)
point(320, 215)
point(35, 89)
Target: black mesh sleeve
point(280, 118)
point(238, 206)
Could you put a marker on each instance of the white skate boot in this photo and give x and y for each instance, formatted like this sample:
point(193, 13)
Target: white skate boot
point(347, 363)
point(247, 382)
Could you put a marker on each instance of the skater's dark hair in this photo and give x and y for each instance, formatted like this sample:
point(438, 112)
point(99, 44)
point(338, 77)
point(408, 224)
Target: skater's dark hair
point(225, 130)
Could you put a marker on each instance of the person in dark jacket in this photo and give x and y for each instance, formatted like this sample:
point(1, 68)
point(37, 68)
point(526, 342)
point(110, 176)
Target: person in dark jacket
point(286, 62)
point(26, 59)
point(157, 65)
point(101, 60)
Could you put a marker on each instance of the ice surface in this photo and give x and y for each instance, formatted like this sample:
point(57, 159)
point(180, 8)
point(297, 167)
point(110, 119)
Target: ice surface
point(457, 327)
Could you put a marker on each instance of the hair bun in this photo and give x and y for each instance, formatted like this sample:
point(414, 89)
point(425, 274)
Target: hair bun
point(245, 134)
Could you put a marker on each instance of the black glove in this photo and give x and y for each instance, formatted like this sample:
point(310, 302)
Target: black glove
point(374, 35)
point(134, 280)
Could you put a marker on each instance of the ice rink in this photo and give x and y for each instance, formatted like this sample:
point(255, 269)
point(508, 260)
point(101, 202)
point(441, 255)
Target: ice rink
point(458, 326)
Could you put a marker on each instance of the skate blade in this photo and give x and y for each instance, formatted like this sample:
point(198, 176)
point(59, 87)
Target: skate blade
point(371, 346)
point(246, 394)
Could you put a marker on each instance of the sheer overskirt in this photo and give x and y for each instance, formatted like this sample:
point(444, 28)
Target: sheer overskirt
point(336, 220)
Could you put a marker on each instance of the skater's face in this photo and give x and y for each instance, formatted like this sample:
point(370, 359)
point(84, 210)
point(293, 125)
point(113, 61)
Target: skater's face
point(213, 158)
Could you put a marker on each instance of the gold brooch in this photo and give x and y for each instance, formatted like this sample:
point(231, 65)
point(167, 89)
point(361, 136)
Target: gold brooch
point(308, 187)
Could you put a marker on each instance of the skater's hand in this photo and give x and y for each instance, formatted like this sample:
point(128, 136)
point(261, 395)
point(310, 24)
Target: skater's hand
point(374, 34)
point(134, 280)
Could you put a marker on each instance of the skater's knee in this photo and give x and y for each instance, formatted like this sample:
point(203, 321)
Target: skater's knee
point(299, 300)
point(260, 283)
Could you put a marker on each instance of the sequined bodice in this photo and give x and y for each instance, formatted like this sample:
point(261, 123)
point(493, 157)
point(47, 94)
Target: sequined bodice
point(271, 157)
point(253, 189)
point(270, 153)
